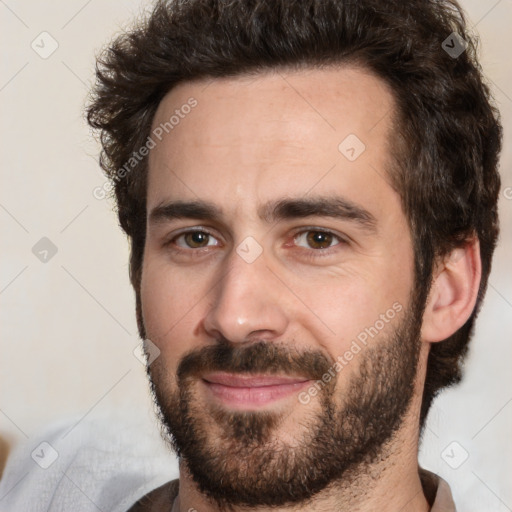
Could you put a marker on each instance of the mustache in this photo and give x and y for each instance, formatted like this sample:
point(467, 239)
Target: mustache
point(257, 358)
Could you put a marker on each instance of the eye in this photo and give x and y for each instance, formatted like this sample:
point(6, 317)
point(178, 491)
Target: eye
point(194, 239)
point(319, 240)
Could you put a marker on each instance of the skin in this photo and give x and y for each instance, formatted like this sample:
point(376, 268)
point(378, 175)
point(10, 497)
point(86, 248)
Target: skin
point(251, 140)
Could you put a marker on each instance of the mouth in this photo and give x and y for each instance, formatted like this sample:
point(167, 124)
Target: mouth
point(251, 391)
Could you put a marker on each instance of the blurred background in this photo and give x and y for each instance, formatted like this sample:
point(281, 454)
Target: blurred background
point(68, 330)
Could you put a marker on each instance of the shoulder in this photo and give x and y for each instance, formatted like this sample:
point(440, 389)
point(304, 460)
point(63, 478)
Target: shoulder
point(158, 499)
point(80, 464)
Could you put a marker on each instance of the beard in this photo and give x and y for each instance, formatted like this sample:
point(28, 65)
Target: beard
point(248, 458)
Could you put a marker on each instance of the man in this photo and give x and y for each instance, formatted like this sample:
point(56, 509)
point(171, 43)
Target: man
point(310, 191)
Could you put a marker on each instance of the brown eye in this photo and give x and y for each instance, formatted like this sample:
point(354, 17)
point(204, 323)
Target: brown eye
point(316, 239)
point(319, 239)
point(194, 240)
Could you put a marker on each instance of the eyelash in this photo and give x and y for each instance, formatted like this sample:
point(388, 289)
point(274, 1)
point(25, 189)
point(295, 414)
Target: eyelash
point(307, 253)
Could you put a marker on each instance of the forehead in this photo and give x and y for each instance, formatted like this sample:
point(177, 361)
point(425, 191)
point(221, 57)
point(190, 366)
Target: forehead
point(249, 138)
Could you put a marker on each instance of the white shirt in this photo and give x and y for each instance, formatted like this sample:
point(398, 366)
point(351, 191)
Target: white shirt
point(104, 465)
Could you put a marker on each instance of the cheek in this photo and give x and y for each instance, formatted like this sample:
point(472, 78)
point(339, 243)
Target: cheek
point(169, 308)
point(339, 312)
point(344, 308)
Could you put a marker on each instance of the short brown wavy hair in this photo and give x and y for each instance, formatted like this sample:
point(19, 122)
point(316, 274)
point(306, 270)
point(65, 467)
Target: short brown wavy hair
point(447, 136)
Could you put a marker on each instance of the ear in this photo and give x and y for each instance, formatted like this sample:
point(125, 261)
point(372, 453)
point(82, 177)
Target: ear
point(453, 292)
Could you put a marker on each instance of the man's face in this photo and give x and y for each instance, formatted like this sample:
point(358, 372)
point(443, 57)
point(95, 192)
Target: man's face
point(251, 306)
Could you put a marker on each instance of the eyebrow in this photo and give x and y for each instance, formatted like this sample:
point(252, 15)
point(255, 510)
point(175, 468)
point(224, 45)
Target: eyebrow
point(272, 211)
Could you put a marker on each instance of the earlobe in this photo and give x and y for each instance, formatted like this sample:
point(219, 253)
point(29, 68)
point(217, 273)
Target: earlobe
point(453, 293)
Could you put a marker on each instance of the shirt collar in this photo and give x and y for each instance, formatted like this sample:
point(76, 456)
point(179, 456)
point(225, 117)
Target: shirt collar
point(437, 491)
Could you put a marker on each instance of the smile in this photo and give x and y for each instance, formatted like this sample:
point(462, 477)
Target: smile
point(251, 391)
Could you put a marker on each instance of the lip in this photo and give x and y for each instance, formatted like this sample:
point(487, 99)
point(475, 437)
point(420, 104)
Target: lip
point(251, 391)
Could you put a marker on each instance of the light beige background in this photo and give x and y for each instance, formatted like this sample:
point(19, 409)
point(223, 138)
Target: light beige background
point(68, 325)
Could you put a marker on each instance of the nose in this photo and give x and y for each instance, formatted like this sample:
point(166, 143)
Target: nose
point(247, 303)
